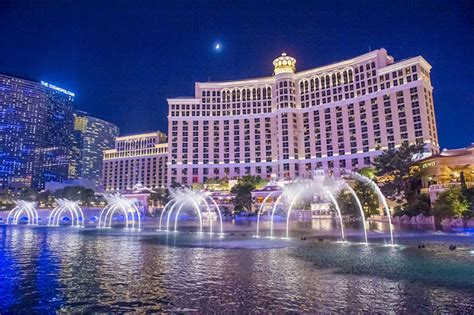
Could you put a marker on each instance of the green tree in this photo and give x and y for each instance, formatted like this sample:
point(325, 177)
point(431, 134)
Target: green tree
point(346, 204)
point(45, 198)
point(367, 172)
point(176, 185)
point(368, 198)
point(160, 197)
point(468, 193)
point(28, 194)
point(398, 173)
point(197, 186)
point(6, 200)
point(243, 192)
point(450, 203)
point(418, 204)
point(217, 183)
point(84, 195)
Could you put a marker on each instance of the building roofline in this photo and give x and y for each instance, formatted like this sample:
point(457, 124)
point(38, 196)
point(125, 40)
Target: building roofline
point(343, 63)
point(298, 74)
point(450, 153)
point(21, 77)
point(405, 63)
point(95, 117)
point(140, 135)
point(183, 100)
point(381, 52)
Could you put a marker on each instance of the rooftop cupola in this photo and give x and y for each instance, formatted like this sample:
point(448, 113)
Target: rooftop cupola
point(284, 64)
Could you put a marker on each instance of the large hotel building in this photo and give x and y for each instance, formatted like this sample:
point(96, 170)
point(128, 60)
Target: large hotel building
point(136, 159)
point(336, 116)
point(36, 121)
point(91, 136)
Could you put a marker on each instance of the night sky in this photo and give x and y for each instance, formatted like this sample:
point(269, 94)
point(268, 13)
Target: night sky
point(124, 58)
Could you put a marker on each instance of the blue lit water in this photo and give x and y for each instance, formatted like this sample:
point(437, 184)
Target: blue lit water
point(64, 269)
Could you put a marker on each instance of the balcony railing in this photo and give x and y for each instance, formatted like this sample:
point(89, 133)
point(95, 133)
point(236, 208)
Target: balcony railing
point(449, 185)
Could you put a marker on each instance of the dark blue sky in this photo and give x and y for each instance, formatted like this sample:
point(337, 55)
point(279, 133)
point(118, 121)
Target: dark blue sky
point(124, 58)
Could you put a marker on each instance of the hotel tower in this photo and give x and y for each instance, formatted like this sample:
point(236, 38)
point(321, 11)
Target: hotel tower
point(337, 116)
point(138, 159)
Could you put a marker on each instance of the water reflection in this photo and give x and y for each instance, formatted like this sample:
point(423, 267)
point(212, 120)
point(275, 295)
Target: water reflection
point(67, 270)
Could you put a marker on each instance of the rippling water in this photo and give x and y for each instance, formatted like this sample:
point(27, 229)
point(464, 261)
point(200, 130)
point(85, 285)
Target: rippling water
point(70, 270)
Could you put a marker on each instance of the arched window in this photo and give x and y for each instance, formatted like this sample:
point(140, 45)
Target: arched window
point(316, 82)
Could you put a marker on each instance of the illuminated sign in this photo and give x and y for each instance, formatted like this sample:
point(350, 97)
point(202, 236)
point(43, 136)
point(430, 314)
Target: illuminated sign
point(428, 164)
point(57, 88)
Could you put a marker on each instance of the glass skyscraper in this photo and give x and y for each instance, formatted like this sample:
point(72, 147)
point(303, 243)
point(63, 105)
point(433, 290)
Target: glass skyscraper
point(91, 137)
point(36, 122)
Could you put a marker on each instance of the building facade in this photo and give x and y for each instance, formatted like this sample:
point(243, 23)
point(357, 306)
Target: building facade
point(332, 117)
point(92, 136)
point(449, 168)
point(35, 132)
point(139, 159)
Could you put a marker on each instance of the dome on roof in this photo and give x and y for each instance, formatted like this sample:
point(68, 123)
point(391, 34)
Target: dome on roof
point(284, 64)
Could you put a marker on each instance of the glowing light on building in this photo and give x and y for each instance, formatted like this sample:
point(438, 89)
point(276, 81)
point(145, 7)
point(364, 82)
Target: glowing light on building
point(57, 88)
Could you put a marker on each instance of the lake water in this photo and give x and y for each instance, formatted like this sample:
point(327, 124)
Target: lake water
point(86, 270)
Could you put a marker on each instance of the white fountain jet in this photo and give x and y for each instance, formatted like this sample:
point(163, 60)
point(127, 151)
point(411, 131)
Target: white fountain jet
point(68, 206)
point(361, 210)
point(318, 185)
point(120, 204)
point(376, 189)
point(195, 199)
point(23, 207)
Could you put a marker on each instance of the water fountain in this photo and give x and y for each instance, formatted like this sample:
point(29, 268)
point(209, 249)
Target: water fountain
point(376, 189)
point(325, 187)
point(123, 205)
point(183, 197)
point(64, 205)
point(310, 188)
point(22, 206)
point(261, 209)
point(361, 210)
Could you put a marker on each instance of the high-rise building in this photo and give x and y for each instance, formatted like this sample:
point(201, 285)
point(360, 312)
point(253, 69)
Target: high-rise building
point(336, 116)
point(35, 132)
point(92, 136)
point(136, 159)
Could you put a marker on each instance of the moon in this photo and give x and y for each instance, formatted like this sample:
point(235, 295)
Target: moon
point(217, 46)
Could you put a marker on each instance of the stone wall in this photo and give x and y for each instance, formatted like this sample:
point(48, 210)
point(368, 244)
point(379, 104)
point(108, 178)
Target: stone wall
point(417, 220)
point(457, 223)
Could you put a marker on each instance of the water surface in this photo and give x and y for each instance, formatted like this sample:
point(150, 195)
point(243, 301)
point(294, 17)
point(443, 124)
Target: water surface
point(84, 270)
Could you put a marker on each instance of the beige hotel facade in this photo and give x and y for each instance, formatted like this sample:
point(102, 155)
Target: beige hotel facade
point(136, 160)
point(337, 116)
